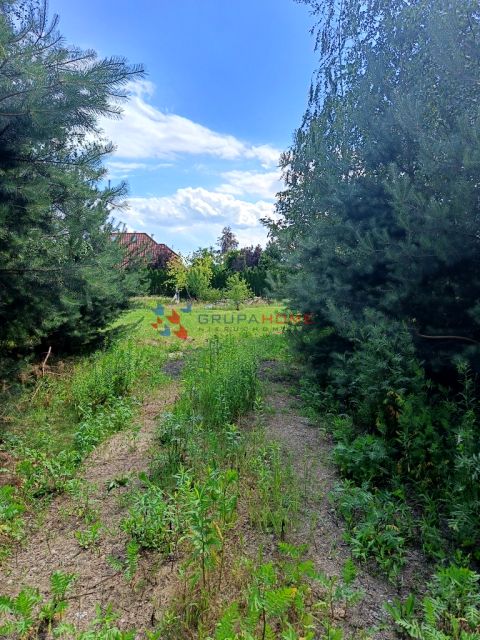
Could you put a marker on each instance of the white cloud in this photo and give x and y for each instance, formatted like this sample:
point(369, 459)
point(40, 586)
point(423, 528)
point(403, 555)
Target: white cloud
point(191, 205)
point(263, 184)
point(118, 170)
point(196, 216)
point(146, 132)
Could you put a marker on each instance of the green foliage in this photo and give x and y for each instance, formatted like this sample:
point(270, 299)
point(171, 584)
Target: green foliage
point(222, 383)
point(275, 496)
point(237, 289)
point(44, 474)
point(59, 272)
point(377, 233)
point(29, 613)
point(158, 282)
point(227, 241)
point(280, 601)
point(192, 275)
point(21, 610)
point(72, 415)
point(53, 609)
point(421, 439)
point(129, 565)
point(379, 525)
point(209, 506)
point(149, 519)
point(11, 512)
point(90, 537)
point(373, 211)
point(451, 610)
point(106, 376)
point(363, 459)
point(103, 627)
point(98, 425)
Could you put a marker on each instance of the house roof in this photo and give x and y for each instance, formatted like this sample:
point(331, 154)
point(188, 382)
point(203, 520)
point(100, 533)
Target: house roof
point(143, 246)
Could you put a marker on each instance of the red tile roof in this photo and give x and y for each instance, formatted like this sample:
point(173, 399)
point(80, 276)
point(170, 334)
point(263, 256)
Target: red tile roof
point(141, 246)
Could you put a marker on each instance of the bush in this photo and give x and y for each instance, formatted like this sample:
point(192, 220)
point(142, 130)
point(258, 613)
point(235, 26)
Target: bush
point(237, 289)
point(150, 519)
point(450, 611)
point(379, 524)
point(364, 459)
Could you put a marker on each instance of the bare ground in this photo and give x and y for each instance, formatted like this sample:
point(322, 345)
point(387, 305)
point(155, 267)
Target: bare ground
point(53, 545)
point(309, 450)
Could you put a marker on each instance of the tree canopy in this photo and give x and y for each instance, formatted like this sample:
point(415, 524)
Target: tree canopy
point(381, 206)
point(60, 279)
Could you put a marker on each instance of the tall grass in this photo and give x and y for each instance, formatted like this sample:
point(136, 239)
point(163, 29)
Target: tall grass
point(221, 383)
point(107, 375)
point(67, 418)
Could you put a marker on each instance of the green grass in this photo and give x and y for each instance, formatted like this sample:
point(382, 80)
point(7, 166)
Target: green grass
point(60, 420)
point(202, 322)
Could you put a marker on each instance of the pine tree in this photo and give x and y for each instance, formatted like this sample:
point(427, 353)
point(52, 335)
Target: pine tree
point(381, 209)
point(60, 275)
point(227, 241)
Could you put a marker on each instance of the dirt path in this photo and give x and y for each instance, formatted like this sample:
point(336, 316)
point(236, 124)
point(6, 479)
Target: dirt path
point(53, 546)
point(318, 524)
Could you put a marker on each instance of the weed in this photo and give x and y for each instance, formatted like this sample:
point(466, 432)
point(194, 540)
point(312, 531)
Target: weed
point(83, 504)
point(224, 382)
point(28, 613)
point(378, 524)
point(102, 628)
point(89, 538)
point(129, 565)
point(280, 601)
point(11, 514)
point(451, 610)
point(100, 424)
point(149, 520)
point(274, 493)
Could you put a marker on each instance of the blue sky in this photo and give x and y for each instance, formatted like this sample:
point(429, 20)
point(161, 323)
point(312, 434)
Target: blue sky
point(200, 138)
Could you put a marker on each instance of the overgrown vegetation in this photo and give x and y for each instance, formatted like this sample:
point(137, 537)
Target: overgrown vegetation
point(68, 418)
point(378, 227)
point(450, 611)
point(29, 615)
point(376, 239)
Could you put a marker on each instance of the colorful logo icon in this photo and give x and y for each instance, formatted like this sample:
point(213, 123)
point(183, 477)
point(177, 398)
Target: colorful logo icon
point(174, 322)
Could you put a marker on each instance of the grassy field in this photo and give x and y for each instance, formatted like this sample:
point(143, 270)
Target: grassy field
point(201, 321)
point(61, 417)
point(220, 496)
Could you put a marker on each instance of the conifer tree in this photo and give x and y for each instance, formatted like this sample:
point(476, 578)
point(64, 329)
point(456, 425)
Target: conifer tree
point(381, 208)
point(60, 275)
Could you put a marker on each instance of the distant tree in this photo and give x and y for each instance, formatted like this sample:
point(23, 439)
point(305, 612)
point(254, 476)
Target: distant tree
point(237, 289)
point(194, 275)
point(199, 276)
point(244, 258)
point(177, 273)
point(227, 241)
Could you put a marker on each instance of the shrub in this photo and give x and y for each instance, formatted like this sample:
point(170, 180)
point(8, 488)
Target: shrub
point(450, 611)
point(237, 289)
point(149, 520)
point(363, 459)
point(379, 524)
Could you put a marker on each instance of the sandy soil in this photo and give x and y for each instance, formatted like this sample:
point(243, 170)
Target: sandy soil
point(53, 545)
point(309, 450)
